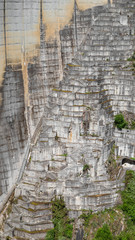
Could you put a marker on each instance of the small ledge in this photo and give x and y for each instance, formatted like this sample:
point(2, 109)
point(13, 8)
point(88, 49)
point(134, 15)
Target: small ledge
point(58, 90)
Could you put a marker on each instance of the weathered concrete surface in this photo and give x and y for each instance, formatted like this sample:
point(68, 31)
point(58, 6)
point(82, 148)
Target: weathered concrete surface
point(33, 53)
point(76, 103)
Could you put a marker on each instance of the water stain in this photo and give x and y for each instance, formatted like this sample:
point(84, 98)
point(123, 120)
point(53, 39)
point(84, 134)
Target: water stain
point(20, 38)
point(85, 4)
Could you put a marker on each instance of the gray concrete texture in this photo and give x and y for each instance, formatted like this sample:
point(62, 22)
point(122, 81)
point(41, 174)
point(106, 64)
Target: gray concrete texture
point(61, 88)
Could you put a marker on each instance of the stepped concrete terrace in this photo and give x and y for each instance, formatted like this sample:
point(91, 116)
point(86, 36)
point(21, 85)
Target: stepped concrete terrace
point(77, 129)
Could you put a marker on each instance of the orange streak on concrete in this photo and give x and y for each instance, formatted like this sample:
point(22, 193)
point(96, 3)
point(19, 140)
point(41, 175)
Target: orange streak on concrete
point(25, 82)
point(85, 4)
point(56, 22)
point(70, 136)
point(27, 43)
point(2, 63)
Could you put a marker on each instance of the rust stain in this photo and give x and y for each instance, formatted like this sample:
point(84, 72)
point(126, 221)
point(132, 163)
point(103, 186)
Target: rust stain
point(28, 51)
point(26, 42)
point(85, 4)
point(22, 46)
point(56, 21)
point(20, 49)
point(70, 136)
point(25, 81)
point(2, 63)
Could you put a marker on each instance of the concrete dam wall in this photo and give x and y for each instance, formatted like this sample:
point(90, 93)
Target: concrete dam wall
point(64, 74)
point(34, 48)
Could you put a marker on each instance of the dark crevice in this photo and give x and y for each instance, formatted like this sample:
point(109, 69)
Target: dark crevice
point(75, 23)
point(128, 160)
point(41, 23)
point(109, 2)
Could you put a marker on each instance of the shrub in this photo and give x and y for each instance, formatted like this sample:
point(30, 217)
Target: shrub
point(68, 231)
point(50, 235)
point(104, 233)
point(133, 125)
point(120, 121)
point(125, 236)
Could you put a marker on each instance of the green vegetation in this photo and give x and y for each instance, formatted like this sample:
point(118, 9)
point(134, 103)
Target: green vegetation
point(132, 58)
point(86, 217)
point(56, 137)
point(128, 197)
point(114, 218)
point(64, 155)
point(120, 122)
point(113, 224)
point(125, 236)
point(60, 90)
point(132, 125)
point(62, 224)
point(86, 167)
point(104, 233)
point(111, 164)
point(128, 207)
point(94, 135)
point(50, 235)
point(107, 225)
point(73, 65)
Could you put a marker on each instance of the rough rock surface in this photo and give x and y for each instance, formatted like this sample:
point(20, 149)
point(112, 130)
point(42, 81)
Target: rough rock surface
point(71, 92)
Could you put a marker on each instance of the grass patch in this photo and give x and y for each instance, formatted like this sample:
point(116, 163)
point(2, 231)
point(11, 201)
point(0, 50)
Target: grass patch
point(73, 65)
point(59, 90)
point(64, 155)
point(39, 203)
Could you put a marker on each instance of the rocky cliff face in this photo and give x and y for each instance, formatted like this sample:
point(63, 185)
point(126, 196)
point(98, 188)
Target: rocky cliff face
point(64, 76)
